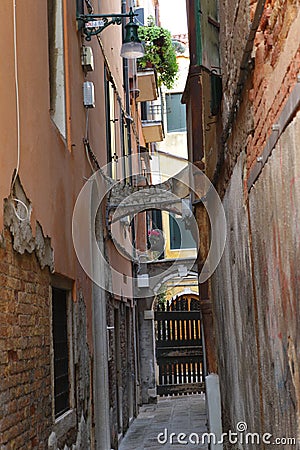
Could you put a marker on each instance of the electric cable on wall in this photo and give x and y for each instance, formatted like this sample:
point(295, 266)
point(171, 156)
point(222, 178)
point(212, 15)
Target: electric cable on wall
point(16, 200)
point(86, 139)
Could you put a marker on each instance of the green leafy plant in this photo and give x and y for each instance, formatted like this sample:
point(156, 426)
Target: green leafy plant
point(161, 297)
point(159, 52)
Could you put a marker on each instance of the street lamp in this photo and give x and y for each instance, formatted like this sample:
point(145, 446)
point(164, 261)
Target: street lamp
point(94, 24)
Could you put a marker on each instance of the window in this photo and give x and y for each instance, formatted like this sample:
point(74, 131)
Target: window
point(61, 352)
point(57, 64)
point(176, 115)
point(111, 120)
point(180, 237)
point(124, 144)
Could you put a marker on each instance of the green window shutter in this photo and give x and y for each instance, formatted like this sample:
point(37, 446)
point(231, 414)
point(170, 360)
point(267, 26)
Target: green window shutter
point(176, 113)
point(180, 237)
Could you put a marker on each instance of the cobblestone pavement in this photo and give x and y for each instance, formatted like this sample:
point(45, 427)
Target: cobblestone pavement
point(185, 414)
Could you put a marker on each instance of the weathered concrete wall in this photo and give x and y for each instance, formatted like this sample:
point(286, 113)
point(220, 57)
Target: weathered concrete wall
point(235, 316)
point(256, 296)
point(146, 351)
point(256, 287)
point(275, 219)
point(121, 366)
point(79, 437)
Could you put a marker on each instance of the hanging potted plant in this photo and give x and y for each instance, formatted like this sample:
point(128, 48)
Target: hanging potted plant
point(159, 52)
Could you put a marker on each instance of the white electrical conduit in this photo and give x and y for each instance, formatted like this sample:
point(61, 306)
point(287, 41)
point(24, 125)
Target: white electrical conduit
point(16, 200)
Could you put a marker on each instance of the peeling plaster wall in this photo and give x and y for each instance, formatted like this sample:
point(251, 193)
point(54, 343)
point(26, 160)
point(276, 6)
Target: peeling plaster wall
point(275, 222)
point(234, 314)
point(26, 366)
point(17, 218)
point(256, 292)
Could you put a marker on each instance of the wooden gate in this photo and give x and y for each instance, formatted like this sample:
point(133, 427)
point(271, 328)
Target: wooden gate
point(179, 352)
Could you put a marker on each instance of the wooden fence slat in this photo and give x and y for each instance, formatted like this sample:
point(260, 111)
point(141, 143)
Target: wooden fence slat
point(179, 351)
point(189, 388)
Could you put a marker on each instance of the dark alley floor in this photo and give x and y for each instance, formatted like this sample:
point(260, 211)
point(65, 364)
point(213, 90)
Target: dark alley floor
point(153, 427)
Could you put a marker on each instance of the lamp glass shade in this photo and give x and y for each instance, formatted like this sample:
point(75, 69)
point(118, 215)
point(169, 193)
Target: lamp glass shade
point(132, 50)
point(132, 47)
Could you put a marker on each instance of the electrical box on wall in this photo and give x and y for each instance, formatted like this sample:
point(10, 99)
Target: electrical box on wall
point(143, 281)
point(88, 94)
point(87, 59)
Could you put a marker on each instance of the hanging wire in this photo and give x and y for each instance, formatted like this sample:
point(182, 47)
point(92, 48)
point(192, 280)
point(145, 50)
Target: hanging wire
point(27, 212)
point(16, 200)
point(86, 140)
point(17, 93)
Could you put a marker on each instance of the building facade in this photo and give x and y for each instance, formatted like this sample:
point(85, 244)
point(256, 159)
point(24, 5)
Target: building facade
point(68, 340)
point(248, 146)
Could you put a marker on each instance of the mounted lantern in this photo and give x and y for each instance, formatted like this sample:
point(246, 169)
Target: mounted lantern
point(132, 47)
point(94, 24)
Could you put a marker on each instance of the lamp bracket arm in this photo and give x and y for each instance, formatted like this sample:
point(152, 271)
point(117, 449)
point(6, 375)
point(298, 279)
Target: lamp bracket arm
point(96, 23)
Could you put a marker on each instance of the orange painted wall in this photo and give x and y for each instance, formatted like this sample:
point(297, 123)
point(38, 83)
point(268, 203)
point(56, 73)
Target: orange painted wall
point(52, 171)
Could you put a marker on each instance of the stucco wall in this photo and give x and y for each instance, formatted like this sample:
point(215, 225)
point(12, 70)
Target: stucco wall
point(52, 171)
point(256, 296)
point(235, 316)
point(274, 209)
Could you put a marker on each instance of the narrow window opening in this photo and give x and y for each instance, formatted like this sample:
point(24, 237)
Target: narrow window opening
point(61, 351)
point(57, 64)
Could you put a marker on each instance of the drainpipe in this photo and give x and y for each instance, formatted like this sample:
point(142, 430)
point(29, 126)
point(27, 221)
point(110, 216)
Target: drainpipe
point(127, 93)
point(127, 107)
point(128, 122)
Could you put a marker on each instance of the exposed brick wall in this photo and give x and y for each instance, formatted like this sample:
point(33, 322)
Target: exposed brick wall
point(265, 117)
point(276, 57)
point(277, 63)
point(234, 24)
point(25, 398)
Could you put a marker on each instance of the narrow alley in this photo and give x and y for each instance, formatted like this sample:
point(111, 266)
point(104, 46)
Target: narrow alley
point(150, 224)
point(174, 422)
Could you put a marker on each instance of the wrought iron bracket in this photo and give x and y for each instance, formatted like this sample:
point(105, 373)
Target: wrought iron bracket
point(94, 24)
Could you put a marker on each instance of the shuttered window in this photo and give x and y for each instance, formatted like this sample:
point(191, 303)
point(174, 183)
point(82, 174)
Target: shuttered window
point(61, 351)
point(176, 115)
point(180, 237)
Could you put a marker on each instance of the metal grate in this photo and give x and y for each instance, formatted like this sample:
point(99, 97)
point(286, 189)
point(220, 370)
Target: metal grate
point(61, 351)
